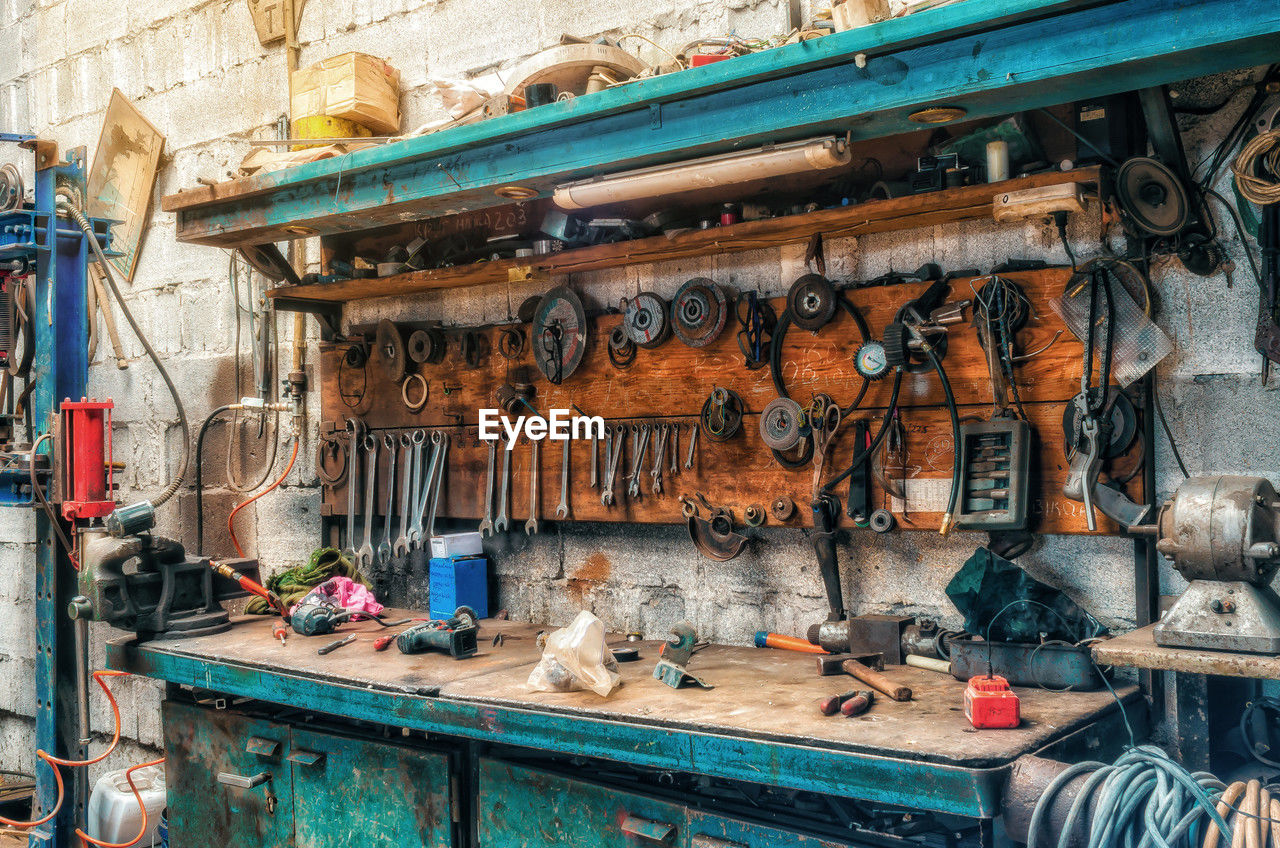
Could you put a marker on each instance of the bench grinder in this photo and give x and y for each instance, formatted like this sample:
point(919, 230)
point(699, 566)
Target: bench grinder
point(1223, 536)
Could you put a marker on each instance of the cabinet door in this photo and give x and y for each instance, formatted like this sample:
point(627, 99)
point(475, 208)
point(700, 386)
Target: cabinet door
point(228, 782)
point(520, 807)
point(358, 793)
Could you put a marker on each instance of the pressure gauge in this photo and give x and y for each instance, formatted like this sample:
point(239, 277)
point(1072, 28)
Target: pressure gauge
point(870, 360)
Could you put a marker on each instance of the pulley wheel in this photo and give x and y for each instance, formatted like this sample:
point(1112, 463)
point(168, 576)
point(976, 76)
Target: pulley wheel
point(12, 190)
point(391, 350)
point(1152, 196)
point(781, 424)
point(811, 301)
point(426, 346)
point(782, 508)
point(1124, 424)
point(645, 319)
point(559, 334)
point(698, 312)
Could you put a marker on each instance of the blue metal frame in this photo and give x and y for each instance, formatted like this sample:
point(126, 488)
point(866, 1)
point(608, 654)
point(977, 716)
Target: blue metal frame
point(865, 82)
point(59, 324)
point(966, 791)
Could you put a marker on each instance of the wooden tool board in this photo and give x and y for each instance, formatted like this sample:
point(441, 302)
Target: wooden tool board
point(670, 384)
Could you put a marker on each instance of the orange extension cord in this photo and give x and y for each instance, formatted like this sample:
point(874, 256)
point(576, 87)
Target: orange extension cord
point(231, 518)
point(55, 762)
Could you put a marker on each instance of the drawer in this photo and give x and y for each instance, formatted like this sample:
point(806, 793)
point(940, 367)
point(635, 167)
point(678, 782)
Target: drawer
point(520, 807)
point(358, 793)
point(708, 830)
point(228, 782)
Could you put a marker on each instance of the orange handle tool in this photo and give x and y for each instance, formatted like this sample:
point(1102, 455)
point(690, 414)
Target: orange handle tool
point(787, 643)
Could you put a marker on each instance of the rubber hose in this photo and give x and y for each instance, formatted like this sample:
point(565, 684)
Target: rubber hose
point(861, 458)
point(199, 482)
point(170, 490)
point(954, 498)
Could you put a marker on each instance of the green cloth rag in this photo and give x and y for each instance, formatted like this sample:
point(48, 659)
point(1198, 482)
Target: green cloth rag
point(292, 585)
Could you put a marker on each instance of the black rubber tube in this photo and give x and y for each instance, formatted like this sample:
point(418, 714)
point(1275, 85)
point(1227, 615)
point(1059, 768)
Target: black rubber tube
point(199, 481)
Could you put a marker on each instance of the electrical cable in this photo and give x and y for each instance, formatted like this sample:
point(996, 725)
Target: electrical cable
point(199, 481)
point(1263, 149)
point(86, 839)
point(231, 518)
point(55, 762)
point(1269, 703)
point(1168, 434)
point(861, 458)
point(53, 517)
point(170, 490)
point(233, 482)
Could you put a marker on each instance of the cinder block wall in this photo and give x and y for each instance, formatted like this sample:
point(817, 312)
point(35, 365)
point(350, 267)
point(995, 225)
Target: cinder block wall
point(197, 71)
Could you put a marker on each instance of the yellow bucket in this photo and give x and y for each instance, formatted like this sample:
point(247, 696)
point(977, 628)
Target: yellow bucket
point(322, 126)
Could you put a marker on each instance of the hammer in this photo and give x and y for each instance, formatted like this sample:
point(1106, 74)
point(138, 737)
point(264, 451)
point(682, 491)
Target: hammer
point(848, 664)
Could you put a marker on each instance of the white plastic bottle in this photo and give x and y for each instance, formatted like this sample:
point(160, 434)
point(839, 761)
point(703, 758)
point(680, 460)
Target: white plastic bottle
point(113, 812)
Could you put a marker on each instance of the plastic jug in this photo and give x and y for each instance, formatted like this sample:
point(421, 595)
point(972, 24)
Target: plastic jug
point(113, 812)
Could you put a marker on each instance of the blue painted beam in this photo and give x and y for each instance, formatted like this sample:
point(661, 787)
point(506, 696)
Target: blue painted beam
point(966, 791)
point(797, 92)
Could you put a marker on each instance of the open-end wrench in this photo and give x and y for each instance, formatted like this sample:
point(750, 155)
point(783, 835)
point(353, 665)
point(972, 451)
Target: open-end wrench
point(504, 483)
point(562, 511)
point(637, 462)
point(355, 442)
point(420, 499)
point(438, 483)
point(693, 445)
point(595, 459)
point(364, 555)
point(384, 547)
point(486, 526)
point(613, 453)
point(409, 474)
point(531, 525)
point(675, 449)
point(659, 457)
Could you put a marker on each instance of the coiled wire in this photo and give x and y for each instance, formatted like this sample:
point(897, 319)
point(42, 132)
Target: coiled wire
point(1143, 800)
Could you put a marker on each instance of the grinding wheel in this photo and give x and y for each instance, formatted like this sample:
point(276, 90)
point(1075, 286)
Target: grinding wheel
point(559, 336)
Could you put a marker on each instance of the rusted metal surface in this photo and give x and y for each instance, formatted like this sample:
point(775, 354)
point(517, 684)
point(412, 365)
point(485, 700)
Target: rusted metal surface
point(758, 725)
point(1137, 649)
point(1028, 779)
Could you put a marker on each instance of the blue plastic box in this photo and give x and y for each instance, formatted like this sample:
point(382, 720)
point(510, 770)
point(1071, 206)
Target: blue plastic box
point(459, 582)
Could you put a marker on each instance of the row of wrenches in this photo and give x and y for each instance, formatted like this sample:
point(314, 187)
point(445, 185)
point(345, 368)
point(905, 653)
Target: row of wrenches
point(664, 438)
point(418, 485)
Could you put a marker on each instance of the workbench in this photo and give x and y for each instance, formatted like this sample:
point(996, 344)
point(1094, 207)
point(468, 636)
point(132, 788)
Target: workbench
point(759, 725)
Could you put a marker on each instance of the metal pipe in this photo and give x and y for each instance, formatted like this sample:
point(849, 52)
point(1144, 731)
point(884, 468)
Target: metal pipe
point(1028, 779)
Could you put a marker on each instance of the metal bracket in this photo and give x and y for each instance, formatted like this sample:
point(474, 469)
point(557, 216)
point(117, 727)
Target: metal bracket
point(328, 314)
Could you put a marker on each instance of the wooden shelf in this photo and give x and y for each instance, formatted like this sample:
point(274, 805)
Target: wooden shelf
point(877, 216)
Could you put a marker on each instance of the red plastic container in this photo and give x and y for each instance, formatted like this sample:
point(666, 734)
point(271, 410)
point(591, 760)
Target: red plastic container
point(990, 703)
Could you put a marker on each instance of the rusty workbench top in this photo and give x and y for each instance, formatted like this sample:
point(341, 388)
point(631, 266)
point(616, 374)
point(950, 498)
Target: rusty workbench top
point(1138, 649)
point(761, 694)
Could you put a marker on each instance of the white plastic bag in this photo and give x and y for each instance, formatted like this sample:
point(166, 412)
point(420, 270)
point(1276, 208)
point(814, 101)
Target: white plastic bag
point(576, 657)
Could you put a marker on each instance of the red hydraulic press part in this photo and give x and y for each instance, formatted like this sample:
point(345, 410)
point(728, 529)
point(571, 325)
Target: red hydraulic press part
point(990, 703)
point(86, 459)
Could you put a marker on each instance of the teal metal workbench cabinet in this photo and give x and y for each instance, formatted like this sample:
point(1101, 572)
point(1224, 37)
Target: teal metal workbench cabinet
point(364, 748)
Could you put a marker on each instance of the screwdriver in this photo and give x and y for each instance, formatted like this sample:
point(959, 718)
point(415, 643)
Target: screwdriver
point(381, 643)
point(280, 631)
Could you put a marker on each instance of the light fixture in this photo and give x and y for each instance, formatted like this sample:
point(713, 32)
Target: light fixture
point(822, 154)
point(513, 192)
point(937, 115)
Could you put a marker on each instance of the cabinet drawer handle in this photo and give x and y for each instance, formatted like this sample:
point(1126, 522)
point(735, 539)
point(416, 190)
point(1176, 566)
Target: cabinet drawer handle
point(241, 781)
point(306, 758)
point(262, 747)
point(646, 829)
point(704, 841)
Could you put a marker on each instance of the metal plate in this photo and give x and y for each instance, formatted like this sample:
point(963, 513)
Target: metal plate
point(559, 334)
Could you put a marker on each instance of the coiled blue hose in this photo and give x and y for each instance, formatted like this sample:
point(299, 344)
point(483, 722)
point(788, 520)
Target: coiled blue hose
point(1143, 800)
